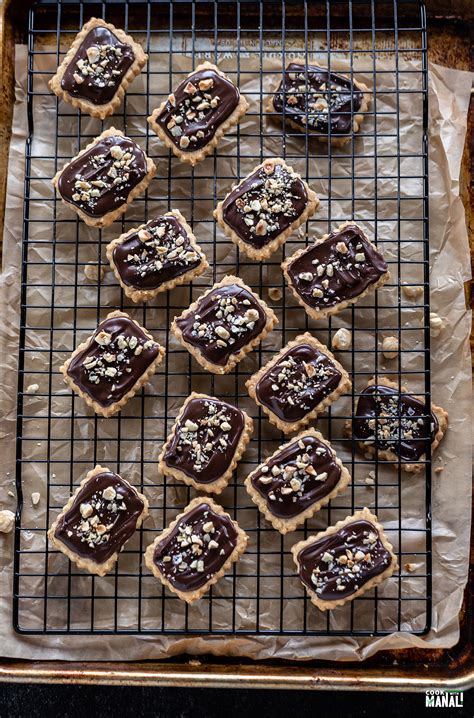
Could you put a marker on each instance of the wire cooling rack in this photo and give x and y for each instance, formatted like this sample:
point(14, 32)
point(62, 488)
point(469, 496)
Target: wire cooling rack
point(58, 438)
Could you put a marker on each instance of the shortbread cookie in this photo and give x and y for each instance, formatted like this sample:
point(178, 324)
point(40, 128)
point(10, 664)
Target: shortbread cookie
point(337, 270)
point(98, 520)
point(392, 424)
point(298, 383)
point(113, 364)
point(195, 551)
point(156, 256)
point(208, 439)
point(100, 65)
point(297, 480)
point(224, 324)
point(104, 178)
point(261, 212)
point(345, 561)
point(326, 105)
point(195, 117)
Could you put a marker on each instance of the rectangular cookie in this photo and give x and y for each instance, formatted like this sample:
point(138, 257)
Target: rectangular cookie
point(156, 256)
point(337, 270)
point(98, 520)
point(323, 104)
point(196, 549)
point(104, 178)
point(206, 442)
point(297, 480)
point(389, 424)
point(195, 117)
point(261, 212)
point(98, 68)
point(113, 364)
point(298, 383)
point(345, 561)
point(224, 325)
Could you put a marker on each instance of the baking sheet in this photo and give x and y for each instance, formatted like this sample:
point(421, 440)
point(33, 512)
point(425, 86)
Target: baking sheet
point(449, 98)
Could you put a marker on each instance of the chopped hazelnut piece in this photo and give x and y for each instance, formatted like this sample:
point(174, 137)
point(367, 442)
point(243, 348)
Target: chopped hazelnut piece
point(436, 324)
point(7, 521)
point(206, 84)
point(275, 294)
point(390, 347)
point(412, 291)
point(94, 272)
point(342, 339)
point(35, 498)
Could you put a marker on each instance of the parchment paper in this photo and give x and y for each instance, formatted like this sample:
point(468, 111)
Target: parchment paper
point(449, 98)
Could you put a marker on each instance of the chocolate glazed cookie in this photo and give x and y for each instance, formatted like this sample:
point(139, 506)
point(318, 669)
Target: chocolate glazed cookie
point(392, 420)
point(117, 507)
point(195, 551)
point(345, 561)
point(99, 65)
point(224, 324)
point(98, 520)
point(338, 270)
point(208, 438)
point(103, 179)
point(297, 480)
point(195, 117)
point(98, 68)
point(327, 104)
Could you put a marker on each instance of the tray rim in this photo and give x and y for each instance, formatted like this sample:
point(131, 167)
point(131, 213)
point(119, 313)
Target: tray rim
point(149, 674)
point(459, 674)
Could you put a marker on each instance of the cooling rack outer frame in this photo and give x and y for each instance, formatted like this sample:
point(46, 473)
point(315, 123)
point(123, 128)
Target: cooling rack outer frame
point(201, 26)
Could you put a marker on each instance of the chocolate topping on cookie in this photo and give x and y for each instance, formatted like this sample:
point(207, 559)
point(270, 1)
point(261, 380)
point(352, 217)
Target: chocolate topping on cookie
point(336, 270)
point(205, 439)
point(100, 180)
point(225, 320)
point(302, 473)
point(197, 548)
point(157, 253)
point(298, 382)
point(102, 518)
point(116, 356)
point(313, 98)
point(198, 106)
point(338, 565)
point(98, 67)
point(265, 204)
point(388, 419)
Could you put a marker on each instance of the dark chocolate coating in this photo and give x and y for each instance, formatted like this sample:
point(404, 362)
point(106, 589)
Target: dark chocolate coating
point(341, 95)
point(359, 535)
point(148, 265)
point(349, 276)
point(401, 426)
point(206, 453)
point(190, 578)
point(130, 366)
point(94, 166)
point(288, 391)
point(212, 314)
point(282, 195)
point(201, 128)
point(98, 85)
point(290, 460)
point(119, 516)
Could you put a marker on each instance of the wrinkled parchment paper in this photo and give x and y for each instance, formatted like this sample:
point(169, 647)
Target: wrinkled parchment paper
point(449, 97)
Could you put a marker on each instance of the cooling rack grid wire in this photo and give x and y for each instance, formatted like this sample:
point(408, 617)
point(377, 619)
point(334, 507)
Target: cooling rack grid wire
point(59, 440)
